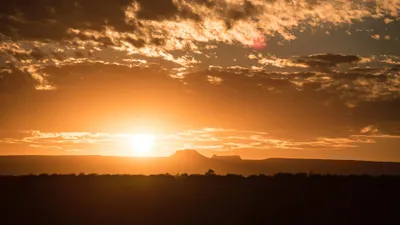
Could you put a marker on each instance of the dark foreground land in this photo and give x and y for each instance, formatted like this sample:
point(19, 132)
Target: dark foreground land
point(195, 199)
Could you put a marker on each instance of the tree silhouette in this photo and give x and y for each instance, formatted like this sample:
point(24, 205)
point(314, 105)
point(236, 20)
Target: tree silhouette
point(210, 172)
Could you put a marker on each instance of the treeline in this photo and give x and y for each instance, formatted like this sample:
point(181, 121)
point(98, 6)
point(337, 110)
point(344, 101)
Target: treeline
point(212, 173)
point(208, 198)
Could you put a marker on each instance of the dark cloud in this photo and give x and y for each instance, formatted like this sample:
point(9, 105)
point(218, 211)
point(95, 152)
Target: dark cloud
point(395, 68)
point(231, 12)
point(240, 12)
point(158, 41)
point(364, 69)
point(164, 10)
point(37, 54)
point(326, 61)
point(15, 81)
point(58, 55)
point(47, 19)
point(139, 43)
point(79, 54)
point(51, 20)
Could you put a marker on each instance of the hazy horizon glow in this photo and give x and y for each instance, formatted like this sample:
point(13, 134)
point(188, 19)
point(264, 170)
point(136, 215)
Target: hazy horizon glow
point(141, 145)
point(208, 141)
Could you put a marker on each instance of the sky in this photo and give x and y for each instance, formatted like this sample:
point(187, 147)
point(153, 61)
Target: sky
point(257, 78)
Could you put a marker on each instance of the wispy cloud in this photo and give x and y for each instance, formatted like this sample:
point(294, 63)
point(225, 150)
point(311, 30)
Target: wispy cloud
point(203, 139)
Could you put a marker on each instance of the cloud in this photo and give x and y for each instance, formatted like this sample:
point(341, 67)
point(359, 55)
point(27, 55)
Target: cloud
point(51, 20)
point(210, 139)
point(277, 62)
point(227, 21)
point(325, 61)
point(364, 70)
point(159, 29)
point(369, 130)
point(143, 16)
point(159, 10)
point(389, 59)
point(376, 36)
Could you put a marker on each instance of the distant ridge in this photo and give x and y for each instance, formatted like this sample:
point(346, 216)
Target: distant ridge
point(188, 155)
point(227, 157)
point(188, 161)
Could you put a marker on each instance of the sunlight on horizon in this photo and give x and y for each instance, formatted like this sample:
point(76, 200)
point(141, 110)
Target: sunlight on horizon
point(140, 144)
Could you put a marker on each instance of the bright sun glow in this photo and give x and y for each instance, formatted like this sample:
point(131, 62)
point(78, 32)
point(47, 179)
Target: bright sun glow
point(141, 144)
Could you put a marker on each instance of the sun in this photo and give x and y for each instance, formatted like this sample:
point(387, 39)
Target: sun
point(141, 144)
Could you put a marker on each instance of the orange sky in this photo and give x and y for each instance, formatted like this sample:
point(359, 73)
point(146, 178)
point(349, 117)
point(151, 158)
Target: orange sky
point(260, 79)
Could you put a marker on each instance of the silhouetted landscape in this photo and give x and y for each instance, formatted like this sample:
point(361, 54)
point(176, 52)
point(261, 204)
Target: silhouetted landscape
point(198, 199)
point(190, 190)
point(187, 161)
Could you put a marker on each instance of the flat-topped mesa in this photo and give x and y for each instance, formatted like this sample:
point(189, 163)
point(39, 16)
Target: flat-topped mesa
point(188, 154)
point(227, 157)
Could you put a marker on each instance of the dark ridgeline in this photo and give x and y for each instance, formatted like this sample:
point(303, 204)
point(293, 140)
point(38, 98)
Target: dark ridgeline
point(187, 161)
point(198, 199)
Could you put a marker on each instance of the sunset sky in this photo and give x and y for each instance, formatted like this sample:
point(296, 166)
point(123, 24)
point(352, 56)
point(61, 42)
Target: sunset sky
point(257, 78)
